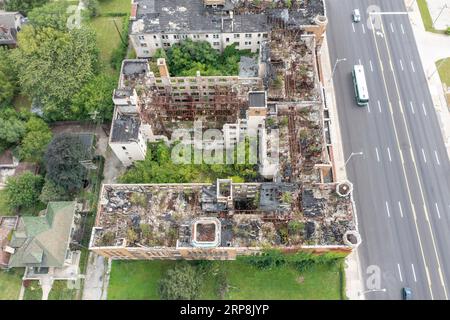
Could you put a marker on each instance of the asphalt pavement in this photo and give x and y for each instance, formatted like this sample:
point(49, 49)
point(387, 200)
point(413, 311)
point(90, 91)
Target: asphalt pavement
point(401, 182)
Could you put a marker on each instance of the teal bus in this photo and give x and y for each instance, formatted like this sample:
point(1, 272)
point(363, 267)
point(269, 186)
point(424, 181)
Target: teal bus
point(359, 82)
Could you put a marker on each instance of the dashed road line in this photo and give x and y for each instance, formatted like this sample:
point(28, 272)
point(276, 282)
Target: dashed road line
point(400, 208)
point(379, 106)
point(401, 64)
point(412, 66)
point(363, 28)
point(424, 157)
point(392, 27)
point(371, 67)
point(437, 210)
point(353, 26)
point(401, 27)
point(437, 158)
point(368, 107)
point(424, 109)
point(412, 107)
point(378, 156)
point(387, 209)
point(414, 272)
point(389, 154)
point(400, 272)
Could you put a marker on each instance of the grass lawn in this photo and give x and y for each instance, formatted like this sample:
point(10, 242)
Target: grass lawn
point(444, 70)
point(114, 6)
point(4, 209)
point(33, 291)
point(139, 280)
point(426, 17)
point(60, 291)
point(10, 282)
point(107, 37)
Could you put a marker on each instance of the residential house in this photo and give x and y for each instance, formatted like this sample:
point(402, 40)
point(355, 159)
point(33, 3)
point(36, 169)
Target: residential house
point(10, 25)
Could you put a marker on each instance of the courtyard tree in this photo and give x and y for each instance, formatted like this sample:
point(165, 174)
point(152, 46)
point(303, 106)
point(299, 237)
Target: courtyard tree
point(63, 162)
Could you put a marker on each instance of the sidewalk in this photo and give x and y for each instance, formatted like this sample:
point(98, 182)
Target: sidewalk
point(353, 275)
point(433, 47)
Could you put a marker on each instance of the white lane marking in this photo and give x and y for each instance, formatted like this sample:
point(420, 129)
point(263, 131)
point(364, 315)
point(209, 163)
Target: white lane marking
point(437, 158)
point(400, 272)
point(387, 209)
point(437, 210)
point(412, 107)
point(424, 157)
point(401, 64)
point(371, 67)
point(423, 108)
point(400, 208)
point(353, 26)
point(387, 12)
point(359, 61)
point(412, 66)
point(364, 29)
point(414, 272)
point(389, 154)
point(379, 106)
point(401, 26)
point(368, 107)
point(392, 27)
point(378, 156)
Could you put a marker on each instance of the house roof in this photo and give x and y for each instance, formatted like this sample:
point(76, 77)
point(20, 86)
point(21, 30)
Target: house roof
point(43, 241)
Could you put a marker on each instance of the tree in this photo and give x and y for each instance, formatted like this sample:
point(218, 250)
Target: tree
point(54, 65)
point(23, 5)
point(52, 192)
point(95, 97)
point(23, 191)
point(180, 283)
point(188, 57)
point(11, 130)
point(53, 14)
point(8, 79)
point(37, 137)
point(62, 160)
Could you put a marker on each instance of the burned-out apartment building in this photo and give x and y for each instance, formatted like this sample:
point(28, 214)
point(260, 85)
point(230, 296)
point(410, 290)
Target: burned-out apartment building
point(157, 24)
point(295, 204)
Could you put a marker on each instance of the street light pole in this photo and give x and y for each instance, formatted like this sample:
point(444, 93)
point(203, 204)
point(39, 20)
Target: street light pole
point(334, 67)
point(437, 68)
point(351, 155)
point(445, 6)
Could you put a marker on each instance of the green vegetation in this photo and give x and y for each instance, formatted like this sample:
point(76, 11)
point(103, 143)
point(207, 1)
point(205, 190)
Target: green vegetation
point(5, 210)
point(426, 17)
point(443, 67)
point(23, 191)
point(159, 168)
point(23, 5)
point(239, 279)
point(188, 57)
point(10, 282)
point(62, 160)
point(60, 291)
point(180, 283)
point(33, 290)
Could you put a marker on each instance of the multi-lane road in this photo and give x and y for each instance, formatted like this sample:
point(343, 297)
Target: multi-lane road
point(402, 180)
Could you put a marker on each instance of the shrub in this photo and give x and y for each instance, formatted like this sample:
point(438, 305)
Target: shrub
point(180, 283)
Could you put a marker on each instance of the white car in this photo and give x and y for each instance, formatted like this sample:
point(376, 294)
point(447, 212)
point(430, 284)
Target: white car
point(356, 15)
